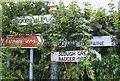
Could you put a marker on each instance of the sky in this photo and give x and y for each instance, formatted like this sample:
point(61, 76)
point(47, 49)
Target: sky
point(95, 4)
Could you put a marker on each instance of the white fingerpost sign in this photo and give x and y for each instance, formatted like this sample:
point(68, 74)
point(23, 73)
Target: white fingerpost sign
point(96, 41)
point(34, 19)
point(73, 56)
point(102, 41)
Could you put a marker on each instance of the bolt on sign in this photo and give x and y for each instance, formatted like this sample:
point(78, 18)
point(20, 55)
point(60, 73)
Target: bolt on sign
point(73, 56)
point(28, 41)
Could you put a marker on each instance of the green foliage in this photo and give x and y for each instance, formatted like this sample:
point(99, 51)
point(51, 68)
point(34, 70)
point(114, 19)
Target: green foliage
point(117, 32)
point(19, 58)
point(18, 64)
point(102, 22)
point(108, 68)
point(82, 70)
point(12, 10)
point(67, 23)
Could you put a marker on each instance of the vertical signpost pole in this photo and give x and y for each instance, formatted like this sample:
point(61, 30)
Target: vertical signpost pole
point(54, 66)
point(8, 63)
point(31, 64)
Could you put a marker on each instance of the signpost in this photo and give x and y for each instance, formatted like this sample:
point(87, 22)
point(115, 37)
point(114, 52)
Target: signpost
point(96, 41)
point(28, 41)
point(31, 64)
point(102, 41)
point(69, 56)
point(35, 19)
point(73, 56)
